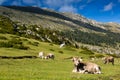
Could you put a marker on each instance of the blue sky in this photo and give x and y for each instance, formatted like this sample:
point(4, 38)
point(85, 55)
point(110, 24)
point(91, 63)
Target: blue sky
point(99, 10)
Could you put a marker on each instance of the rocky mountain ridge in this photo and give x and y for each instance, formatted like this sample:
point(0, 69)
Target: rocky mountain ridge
point(71, 28)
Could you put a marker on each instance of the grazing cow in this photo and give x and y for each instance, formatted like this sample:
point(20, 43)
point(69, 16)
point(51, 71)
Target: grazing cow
point(108, 59)
point(83, 67)
point(41, 55)
point(50, 55)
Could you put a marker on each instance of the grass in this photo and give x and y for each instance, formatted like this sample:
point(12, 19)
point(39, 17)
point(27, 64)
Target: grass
point(58, 69)
point(37, 69)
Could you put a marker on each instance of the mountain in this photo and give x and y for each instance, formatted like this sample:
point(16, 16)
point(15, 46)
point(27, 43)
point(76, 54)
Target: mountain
point(56, 27)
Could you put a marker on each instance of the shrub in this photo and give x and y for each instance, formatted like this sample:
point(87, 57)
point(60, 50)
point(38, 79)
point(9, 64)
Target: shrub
point(21, 47)
point(99, 55)
point(52, 50)
point(6, 44)
point(33, 43)
point(61, 52)
point(114, 55)
point(87, 51)
point(24, 39)
point(3, 38)
point(51, 44)
point(92, 56)
point(15, 41)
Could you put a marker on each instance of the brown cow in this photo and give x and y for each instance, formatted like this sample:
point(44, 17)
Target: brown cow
point(88, 67)
point(109, 59)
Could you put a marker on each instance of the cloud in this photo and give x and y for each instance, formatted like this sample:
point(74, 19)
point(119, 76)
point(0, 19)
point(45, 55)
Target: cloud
point(68, 9)
point(108, 7)
point(59, 3)
point(2, 1)
point(119, 1)
point(32, 2)
point(82, 6)
point(29, 1)
point(23, 2)
point(89, 1)
point(53, 3)
point(16, 2)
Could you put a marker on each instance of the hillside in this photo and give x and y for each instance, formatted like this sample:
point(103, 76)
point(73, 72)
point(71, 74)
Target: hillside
point(54, 27)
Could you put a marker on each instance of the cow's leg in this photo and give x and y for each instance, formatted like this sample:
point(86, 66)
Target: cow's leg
point(105, 61)
point(74, 70)
point(113, 62)
point(82, 71)
point(77, 69)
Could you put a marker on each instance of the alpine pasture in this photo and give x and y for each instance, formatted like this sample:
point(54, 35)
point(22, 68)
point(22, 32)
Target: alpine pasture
point(58, 69)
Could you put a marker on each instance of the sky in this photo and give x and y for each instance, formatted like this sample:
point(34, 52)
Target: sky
point(99, 10)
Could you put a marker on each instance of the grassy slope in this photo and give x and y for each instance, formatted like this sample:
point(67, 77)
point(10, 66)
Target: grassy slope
point(58, 69)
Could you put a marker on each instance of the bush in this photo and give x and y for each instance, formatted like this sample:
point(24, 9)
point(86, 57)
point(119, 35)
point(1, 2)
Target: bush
point(52, 50)
point(99, 55)
point(87, 51)
point(3, 38)
point(61, 52)
point(21, 47)
point(33, 43)
point(114, 55)
point(92, 56)
point(24, 40)
point(6, 44)
point(51, 44)
point(14, 43)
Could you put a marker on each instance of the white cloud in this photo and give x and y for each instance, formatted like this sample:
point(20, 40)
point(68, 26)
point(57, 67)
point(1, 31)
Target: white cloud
point(59, 3)
point(82, 6)
point(108, 7)
point(68, 9)
point(119, 1)
point(29, 1)
point(18, 2)
point(53, 3)
point(89, 1)
point(32, 2)
point(2, 1)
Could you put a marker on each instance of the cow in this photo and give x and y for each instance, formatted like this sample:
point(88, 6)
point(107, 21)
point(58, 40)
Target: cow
point(86, 67)
point(41, 55)
point(108, 59)
point(51, 56)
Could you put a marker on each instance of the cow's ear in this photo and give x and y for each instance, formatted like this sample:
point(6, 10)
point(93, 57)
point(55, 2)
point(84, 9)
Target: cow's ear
point(72, 59)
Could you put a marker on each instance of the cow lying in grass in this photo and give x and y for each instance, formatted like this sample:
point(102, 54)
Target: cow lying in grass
point(108, 59)
point(49, 56)
point(82, 67)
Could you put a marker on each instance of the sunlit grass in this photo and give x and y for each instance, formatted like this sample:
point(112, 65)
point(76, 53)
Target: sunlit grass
point(58, 69)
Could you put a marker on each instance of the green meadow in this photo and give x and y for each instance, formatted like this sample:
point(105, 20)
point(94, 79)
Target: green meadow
point(41, 69)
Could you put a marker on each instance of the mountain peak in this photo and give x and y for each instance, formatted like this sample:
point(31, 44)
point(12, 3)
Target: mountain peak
point(73, 27)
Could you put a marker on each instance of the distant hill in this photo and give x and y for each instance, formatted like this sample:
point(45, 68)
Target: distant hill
point(55, 27)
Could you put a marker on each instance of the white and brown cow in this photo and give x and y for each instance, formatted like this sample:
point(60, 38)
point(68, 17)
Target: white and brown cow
point(50, 56)
point(88, 67)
